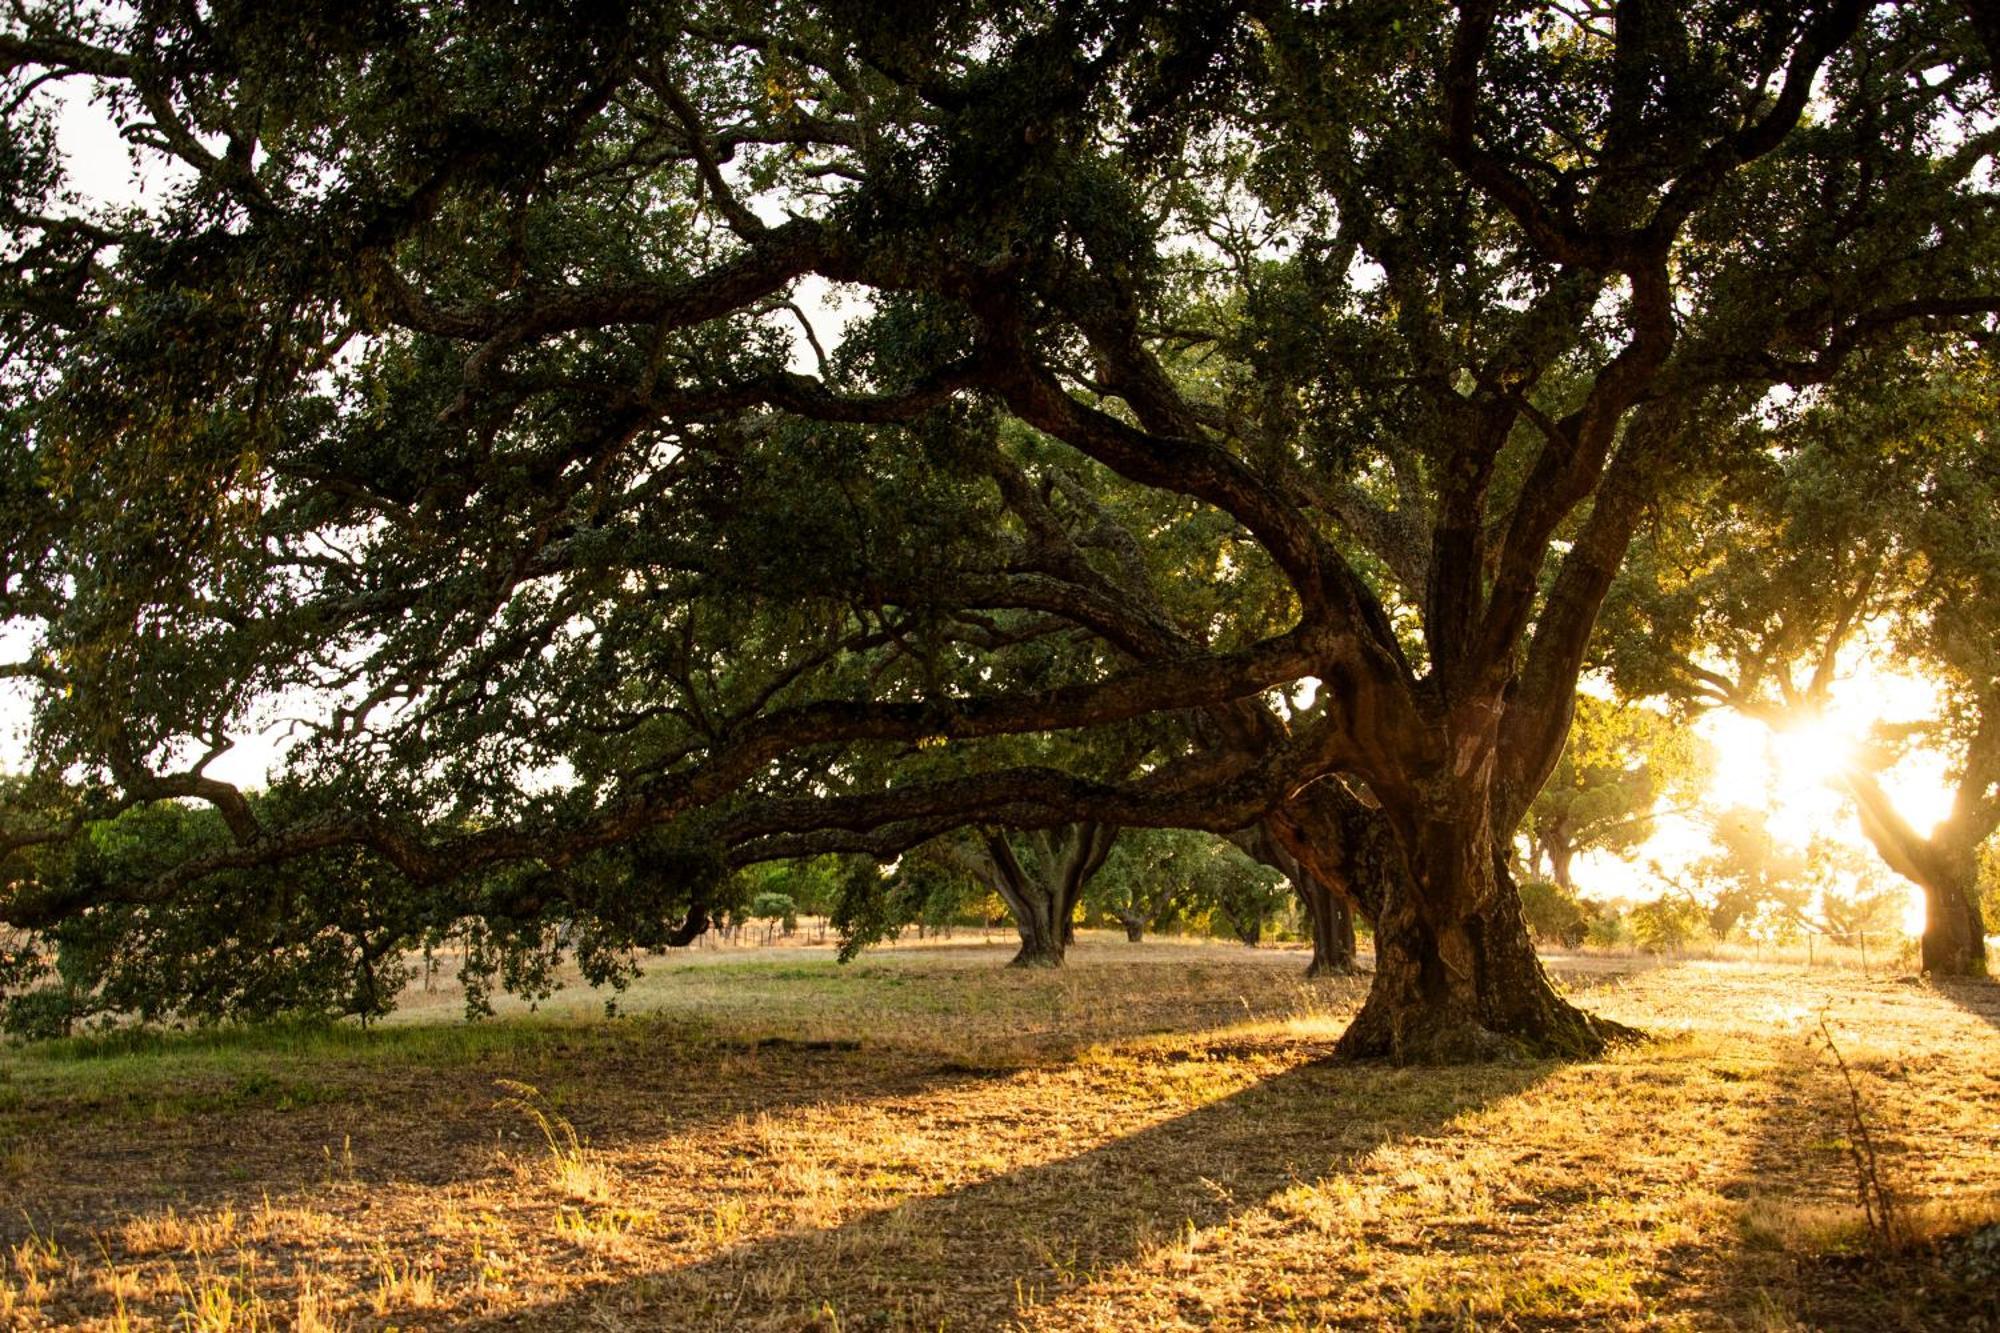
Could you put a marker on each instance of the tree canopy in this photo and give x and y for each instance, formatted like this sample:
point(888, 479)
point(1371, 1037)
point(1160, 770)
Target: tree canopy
point(1241, 413)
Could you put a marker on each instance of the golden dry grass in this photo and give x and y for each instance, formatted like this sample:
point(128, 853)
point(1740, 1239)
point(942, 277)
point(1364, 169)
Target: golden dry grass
point(1150, 1140)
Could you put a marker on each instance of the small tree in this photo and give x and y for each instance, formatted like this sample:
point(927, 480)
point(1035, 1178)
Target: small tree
point(1667, 924)
point(775, 909)
point(1621, 759)
point(1151, 877)
point(1750, 872)
point(1554, 914)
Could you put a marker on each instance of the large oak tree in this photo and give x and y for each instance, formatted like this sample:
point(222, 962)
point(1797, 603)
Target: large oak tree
point(445, 389)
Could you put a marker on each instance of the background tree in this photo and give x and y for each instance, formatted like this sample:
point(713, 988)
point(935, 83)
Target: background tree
point(1750, 875)
point(1876, 516)
point(1327, 909)
point(1149, 879)
point(1603, 794)
point(1244, 894)
point(1854, 897)
point(775, 910)
point(1040, 874)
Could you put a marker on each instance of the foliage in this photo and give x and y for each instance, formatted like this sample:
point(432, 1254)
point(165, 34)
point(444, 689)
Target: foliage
point(1554, 914)
point(1154, 878)
point(1667, 924)
point(1621, 760)
point(448, 387)
point(778, 908)
point(314, 937)
point(1750, 872)
point(875, 906)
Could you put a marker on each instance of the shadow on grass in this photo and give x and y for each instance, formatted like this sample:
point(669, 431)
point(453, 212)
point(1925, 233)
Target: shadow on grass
point(1809, 1252)
point(981, 1255)
point(1978, 996)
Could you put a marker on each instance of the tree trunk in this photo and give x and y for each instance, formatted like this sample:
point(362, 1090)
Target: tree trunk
point(1456, 976)
point(1945, 866)
point(1135, 926)
point(1328, 911)
point(1561, 853)
point(1041, 943)
point(1470, 989)
point(1332, 920)
point(1042, 890)
point(1954, 940)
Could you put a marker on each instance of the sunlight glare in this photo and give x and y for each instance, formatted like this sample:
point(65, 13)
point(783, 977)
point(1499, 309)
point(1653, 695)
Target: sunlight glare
point(1812, 753)
point(1913, 912)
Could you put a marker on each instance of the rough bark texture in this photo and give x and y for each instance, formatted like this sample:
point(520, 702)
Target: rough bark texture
point(1469, 990)
point(1446, 988)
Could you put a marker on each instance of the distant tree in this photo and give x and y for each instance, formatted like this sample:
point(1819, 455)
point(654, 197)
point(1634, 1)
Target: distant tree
point(1150, 878)
point(1327, 908)
point(1620, 761)
point(1040, 874)
point(1853, 894)
point(1667, 924)
point(1877, 513)
point(813, 884)
point(776, 909)
point(1239, 891)
point(1750, 874)
point(1554, 913)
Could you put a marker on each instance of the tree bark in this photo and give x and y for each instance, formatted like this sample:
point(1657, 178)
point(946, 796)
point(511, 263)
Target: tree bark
point(1329, 909)
point(1456, 976)
point(1328, 912)
point(1332, 920)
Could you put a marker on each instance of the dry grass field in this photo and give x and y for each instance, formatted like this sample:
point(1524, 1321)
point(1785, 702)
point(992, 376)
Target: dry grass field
point(1148, 1140)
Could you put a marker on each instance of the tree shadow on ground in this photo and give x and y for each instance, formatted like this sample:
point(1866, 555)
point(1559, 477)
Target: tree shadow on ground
point(982, 1255)
point(1809, 1254)
point(1978, 996)
point(430, 1129)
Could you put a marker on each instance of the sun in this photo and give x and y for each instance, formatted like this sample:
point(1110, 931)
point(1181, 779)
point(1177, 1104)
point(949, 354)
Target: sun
point(1810, 753)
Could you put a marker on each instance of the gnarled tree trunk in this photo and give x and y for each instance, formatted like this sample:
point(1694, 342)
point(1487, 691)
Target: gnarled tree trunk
point(1456, 976)
point(1042, 889)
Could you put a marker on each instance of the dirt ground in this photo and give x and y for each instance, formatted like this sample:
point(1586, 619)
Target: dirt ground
point(1149, 1139)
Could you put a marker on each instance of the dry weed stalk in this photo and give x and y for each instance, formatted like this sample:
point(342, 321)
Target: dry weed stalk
point(1878, 1204)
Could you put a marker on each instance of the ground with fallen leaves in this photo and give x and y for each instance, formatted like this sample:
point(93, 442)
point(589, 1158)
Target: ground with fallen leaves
point(1150, 1139)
